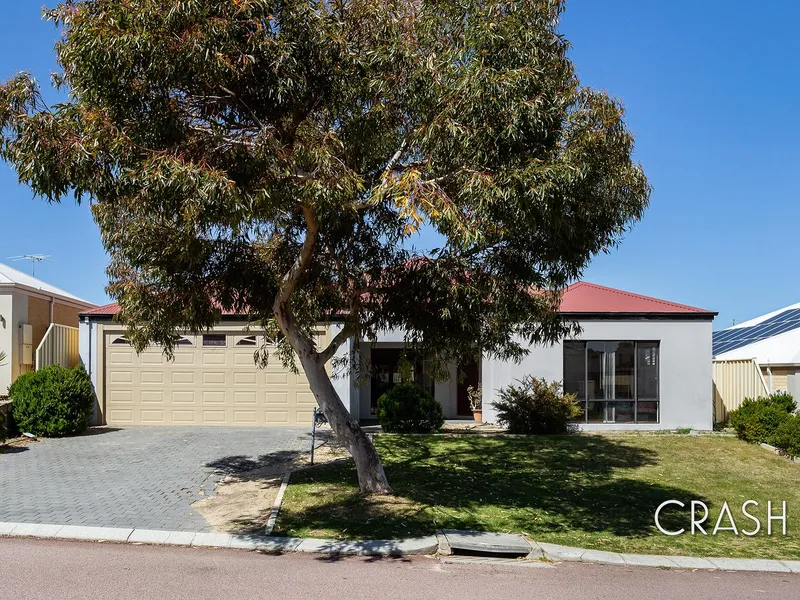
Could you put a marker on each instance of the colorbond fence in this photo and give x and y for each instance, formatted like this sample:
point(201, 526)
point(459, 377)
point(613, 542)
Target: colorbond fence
point(59, 346)
point(735, 380)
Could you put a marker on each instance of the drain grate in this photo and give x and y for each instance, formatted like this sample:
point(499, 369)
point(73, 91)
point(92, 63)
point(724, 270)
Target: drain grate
point(485, 545)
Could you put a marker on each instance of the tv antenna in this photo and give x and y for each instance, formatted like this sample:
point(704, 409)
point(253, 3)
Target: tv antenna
point(34, 258)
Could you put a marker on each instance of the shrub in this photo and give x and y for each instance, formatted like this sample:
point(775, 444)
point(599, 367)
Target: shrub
point(53, 401)
point(783, 400)
point(756, 420)
point(3, 430)
point(407, 408)
point(536, 407)
point(787, 436)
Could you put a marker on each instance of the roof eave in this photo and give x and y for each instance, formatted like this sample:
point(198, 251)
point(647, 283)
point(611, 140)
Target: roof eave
point(75, 301)
point(655, 316)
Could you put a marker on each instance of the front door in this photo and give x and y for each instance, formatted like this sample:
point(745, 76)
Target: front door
point(386, 373)
point(468, 375)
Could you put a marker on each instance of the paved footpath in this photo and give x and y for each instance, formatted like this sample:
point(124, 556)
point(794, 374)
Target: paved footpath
point(145, 477)
point(46, 569)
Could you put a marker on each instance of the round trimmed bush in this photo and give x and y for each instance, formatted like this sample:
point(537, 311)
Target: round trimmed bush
point(407, 408)
point(787, 436)
point(53, 401)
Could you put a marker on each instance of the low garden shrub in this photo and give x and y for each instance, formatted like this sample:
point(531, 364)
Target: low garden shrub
point(757, 420)
point(536, 407)
point(53, 401)
point(787, 436)
point(407, 408)
point(3, 430)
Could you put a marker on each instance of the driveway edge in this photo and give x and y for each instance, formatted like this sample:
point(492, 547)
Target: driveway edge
point(405, 547)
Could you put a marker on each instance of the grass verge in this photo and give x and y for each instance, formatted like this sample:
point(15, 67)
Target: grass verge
point(592, 491)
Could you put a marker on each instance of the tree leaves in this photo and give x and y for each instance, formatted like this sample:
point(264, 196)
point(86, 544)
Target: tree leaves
point(202, 132)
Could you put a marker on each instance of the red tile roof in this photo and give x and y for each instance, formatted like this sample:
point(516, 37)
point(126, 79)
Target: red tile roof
point(579, 298)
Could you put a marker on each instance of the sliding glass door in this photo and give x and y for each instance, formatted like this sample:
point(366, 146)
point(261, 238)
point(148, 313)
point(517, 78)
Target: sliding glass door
point(615, 381)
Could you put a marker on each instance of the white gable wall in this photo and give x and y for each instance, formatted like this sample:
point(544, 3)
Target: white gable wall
point(685, 386)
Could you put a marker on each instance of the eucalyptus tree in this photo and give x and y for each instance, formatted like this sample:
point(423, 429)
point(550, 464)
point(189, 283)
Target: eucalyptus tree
point(277, 158)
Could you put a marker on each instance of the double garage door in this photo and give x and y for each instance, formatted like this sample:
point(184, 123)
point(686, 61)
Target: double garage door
point(212, 380)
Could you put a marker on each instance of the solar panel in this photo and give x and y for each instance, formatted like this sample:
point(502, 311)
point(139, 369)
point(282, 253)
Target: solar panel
point(731, 339)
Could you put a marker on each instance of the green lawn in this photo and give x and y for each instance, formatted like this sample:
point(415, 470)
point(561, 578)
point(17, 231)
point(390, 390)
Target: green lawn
point(585, 490)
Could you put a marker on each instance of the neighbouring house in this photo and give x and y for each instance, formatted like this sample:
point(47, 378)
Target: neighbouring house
point(37, 321)
point(757, 357)
point(640, 363)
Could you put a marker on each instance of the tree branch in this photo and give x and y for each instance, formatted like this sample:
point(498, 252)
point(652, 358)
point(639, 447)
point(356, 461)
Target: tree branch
point(289, 281)
point(350, 327)
point(340, 338)
point(281, 308)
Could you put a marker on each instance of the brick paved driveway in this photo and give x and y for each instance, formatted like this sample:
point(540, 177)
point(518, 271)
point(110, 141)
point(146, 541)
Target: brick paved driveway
point(144, 477)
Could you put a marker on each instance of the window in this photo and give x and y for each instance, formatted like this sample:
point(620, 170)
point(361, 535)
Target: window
point(184, 341)
point(121, 340)
point(615, 382)
point(249, 340)
point(215, 340)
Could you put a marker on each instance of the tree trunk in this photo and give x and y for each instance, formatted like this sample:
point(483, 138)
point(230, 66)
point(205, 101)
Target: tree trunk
point(371, 477)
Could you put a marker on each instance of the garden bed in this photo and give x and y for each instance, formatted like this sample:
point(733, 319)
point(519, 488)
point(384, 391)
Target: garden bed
point(592, 491)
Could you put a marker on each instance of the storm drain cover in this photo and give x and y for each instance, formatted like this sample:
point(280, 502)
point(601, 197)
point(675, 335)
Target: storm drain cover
point(479, 543)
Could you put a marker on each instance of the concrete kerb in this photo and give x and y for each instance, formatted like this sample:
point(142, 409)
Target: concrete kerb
point(430, 545)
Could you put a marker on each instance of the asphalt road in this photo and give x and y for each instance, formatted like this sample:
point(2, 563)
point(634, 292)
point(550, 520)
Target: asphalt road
point(33, 569)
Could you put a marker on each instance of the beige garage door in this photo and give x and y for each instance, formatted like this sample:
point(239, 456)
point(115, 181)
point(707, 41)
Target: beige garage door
point(212, 381)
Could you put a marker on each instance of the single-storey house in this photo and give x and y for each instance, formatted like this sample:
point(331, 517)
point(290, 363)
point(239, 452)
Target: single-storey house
point(28, 309)
point(639, 363)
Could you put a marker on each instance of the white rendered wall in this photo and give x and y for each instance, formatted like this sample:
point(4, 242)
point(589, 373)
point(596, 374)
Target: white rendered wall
point(685, 388)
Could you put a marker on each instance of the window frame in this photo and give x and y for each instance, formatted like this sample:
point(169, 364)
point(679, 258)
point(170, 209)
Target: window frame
point(246, 341)
point(216, 335)
point(584, 402)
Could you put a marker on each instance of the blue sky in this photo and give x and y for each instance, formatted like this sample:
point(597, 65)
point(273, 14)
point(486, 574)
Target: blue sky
point(710, 88)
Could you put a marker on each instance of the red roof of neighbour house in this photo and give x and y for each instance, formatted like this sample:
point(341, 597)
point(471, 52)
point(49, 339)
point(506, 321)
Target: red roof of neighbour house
point(579, 298)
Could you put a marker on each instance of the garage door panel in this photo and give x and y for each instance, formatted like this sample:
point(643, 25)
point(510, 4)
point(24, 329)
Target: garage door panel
point(184, 358)
point(121, 396)
point(214, 417)
point(214, 360)
point(183, 417)
point(152, 396)
point(183, 397)
point(151, 358)
point(277, 379)
point(242, 359)
point(214, 377)
point(249, 397)
point(152, 416)
point(306, 399)
point(275, 417)
point(120, 416)
point(121, 376)
point(183, 377)
point(214, 397)
point(245, 417)
point(152, 377)
point(277, 398)
point(245, 378)
point(202, 386)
